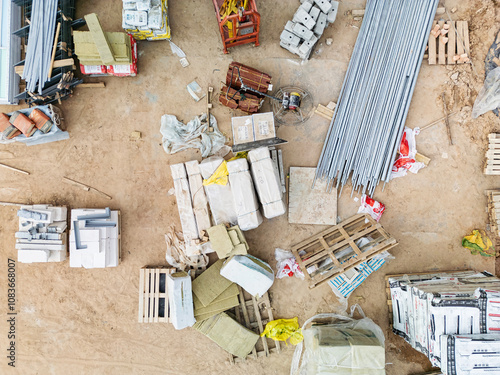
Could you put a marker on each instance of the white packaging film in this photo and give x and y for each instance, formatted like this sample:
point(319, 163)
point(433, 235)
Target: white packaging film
point(180, 300)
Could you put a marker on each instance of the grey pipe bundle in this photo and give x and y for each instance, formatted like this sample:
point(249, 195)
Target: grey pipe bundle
point(369, 118)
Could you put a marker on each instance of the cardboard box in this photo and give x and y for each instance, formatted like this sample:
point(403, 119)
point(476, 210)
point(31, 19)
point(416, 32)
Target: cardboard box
point(263, 126)
point(243, 130)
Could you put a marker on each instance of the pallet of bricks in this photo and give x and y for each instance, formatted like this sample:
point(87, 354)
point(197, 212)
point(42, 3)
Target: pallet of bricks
point(340, 248)
point(61, 80)
point(105, 53)
point(146, 19)
point(451, 317)
point(230, 95)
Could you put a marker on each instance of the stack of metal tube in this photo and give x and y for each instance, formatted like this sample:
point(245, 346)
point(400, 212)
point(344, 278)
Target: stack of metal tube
point(369, 118)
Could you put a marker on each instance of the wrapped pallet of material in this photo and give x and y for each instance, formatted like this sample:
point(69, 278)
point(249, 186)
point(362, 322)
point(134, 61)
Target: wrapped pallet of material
point(200, 202)
point(267, 182)
point(180, 300)
point(184, 205)
point(220, 197)
point(245, 198)
point(249, 272)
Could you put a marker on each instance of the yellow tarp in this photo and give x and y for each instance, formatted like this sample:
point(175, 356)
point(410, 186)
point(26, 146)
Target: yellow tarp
point(284, 329)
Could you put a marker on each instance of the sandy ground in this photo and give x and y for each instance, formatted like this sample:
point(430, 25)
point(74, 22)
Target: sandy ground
point(77, 321)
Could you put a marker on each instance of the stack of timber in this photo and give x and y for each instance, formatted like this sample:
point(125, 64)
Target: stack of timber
point(492, 166)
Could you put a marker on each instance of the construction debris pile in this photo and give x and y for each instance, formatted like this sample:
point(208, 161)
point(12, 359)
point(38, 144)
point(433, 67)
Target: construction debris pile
point(146, 19)
point(450, 317)
point(42, 234)
point(308, 24)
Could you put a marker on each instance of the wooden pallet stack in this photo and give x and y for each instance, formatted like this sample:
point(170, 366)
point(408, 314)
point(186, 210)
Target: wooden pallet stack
point(153, 298)
point(254, 314)
point(337, 249)
point(492, 166)
point(494, 211)
point(448, 43)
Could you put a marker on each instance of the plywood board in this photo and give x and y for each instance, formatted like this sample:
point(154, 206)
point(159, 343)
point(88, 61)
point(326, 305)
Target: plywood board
point(309, 205)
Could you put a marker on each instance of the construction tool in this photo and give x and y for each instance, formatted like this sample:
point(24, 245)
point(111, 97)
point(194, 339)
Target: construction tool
point(209, 105)
point(437, 121)
point(85, 187)
point(446, 119)
point(14, 169)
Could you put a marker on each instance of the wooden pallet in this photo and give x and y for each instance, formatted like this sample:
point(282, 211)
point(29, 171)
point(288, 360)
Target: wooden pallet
point(254, 314)
point(494, 211)
point(153, 299)
point(458, 43)
point(492, 166)
point(338, 243)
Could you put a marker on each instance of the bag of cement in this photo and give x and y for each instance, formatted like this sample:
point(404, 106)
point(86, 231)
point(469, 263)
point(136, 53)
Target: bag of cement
point(249, 272)
point(143, 4)
point(134, 18)
point(180, 300)
point(346, 346)
point(267, 182)
point(245, 198)
point(154, 18)
point(488, 98)
point(220, 197)
point(178, 137)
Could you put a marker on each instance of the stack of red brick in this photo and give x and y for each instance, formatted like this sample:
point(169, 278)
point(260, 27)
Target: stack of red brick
point(17, 123)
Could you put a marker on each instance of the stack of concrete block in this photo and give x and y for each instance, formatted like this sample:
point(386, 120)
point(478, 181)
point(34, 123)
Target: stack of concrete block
point(42, 234)
point(94, 238)
point(307, 26)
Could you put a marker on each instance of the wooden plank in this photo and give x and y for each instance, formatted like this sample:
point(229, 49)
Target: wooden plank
point(441, 46)
point(100, 40)
point(460, 32)
point(156, 294)
point(96, 85)
point(261, 326)
point(465, 31)
point(432, 47)
point(141, 296)
point(452, 42)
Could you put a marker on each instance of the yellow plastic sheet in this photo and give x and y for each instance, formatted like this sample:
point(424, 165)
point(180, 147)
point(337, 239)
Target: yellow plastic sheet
point(284, 329)
point(479, 243)
point(219, 177)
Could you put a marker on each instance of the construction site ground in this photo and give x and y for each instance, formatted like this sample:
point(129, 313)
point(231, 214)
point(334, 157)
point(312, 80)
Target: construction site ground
point(78, 321)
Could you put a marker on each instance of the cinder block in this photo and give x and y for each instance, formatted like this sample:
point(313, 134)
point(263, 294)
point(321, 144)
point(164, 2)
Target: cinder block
point(306, 6)
point(304, 18)
point(303, 1)
point(324, 5)
point(302, 31)
point(314, 12)
point(289, 26)
point(289, 38)
point(306, 47)
point(320, 24)
point(332, 14)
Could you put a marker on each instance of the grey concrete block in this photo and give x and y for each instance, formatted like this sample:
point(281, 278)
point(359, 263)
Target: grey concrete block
point(306, 6)
point(302, 31)
point(332, 14)
point(292, 49)
point(309, 1)
point(306, 47)
point(304, 18)
point(288, 37)
point(314, 12)
point(324, 5)
point(320, 24)
point(289, 26)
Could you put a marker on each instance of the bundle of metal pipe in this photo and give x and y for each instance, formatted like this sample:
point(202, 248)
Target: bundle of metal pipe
point(369, 118)
point(40, 43)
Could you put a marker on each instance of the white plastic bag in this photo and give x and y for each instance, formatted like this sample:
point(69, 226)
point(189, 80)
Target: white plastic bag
point(287, 265)
point(334, 358)
point(407, 152)
point(488, 98)
point(178, 136)
point(372, 207)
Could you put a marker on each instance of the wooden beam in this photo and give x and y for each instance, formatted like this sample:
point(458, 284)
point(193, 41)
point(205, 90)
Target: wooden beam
point(100, 39)
point(96, 85)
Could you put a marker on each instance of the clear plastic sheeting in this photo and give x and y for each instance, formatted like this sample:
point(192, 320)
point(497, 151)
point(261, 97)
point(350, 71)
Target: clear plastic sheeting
point(488, 98)
point(345, 347)
point(178, 136)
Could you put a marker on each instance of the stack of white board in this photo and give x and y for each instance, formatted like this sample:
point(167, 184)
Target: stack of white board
point(94, 238)
point(42, 234)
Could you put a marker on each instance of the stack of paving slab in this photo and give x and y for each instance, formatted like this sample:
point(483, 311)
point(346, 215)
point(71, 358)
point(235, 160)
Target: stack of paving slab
point(307, 26)
point(447, 315)
point(94, 238)
point(42, 234)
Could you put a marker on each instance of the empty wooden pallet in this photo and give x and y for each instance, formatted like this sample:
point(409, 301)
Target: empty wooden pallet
point(447, 49)
point(339, 248)
point(492, 166)
point(153, 299)
point(254, 314)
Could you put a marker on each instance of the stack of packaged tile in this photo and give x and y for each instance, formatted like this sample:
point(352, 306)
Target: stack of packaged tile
point(105, 53)
point(94, 238)
point(307, 26)
point(450, 317)
point(180, 300)
point(42, 234)
point(227, 242)
point(146, 19)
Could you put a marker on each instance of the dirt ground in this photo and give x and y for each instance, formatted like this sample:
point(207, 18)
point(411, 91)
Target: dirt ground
point(77, 321)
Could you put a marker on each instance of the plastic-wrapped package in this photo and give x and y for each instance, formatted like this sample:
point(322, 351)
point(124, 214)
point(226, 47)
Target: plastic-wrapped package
point(345, 347)
point(245, 198)
point(180, 300)
point(178, 136)
point(200, 202)
point(267, 182)
point(220, 197)
point(488, 98)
